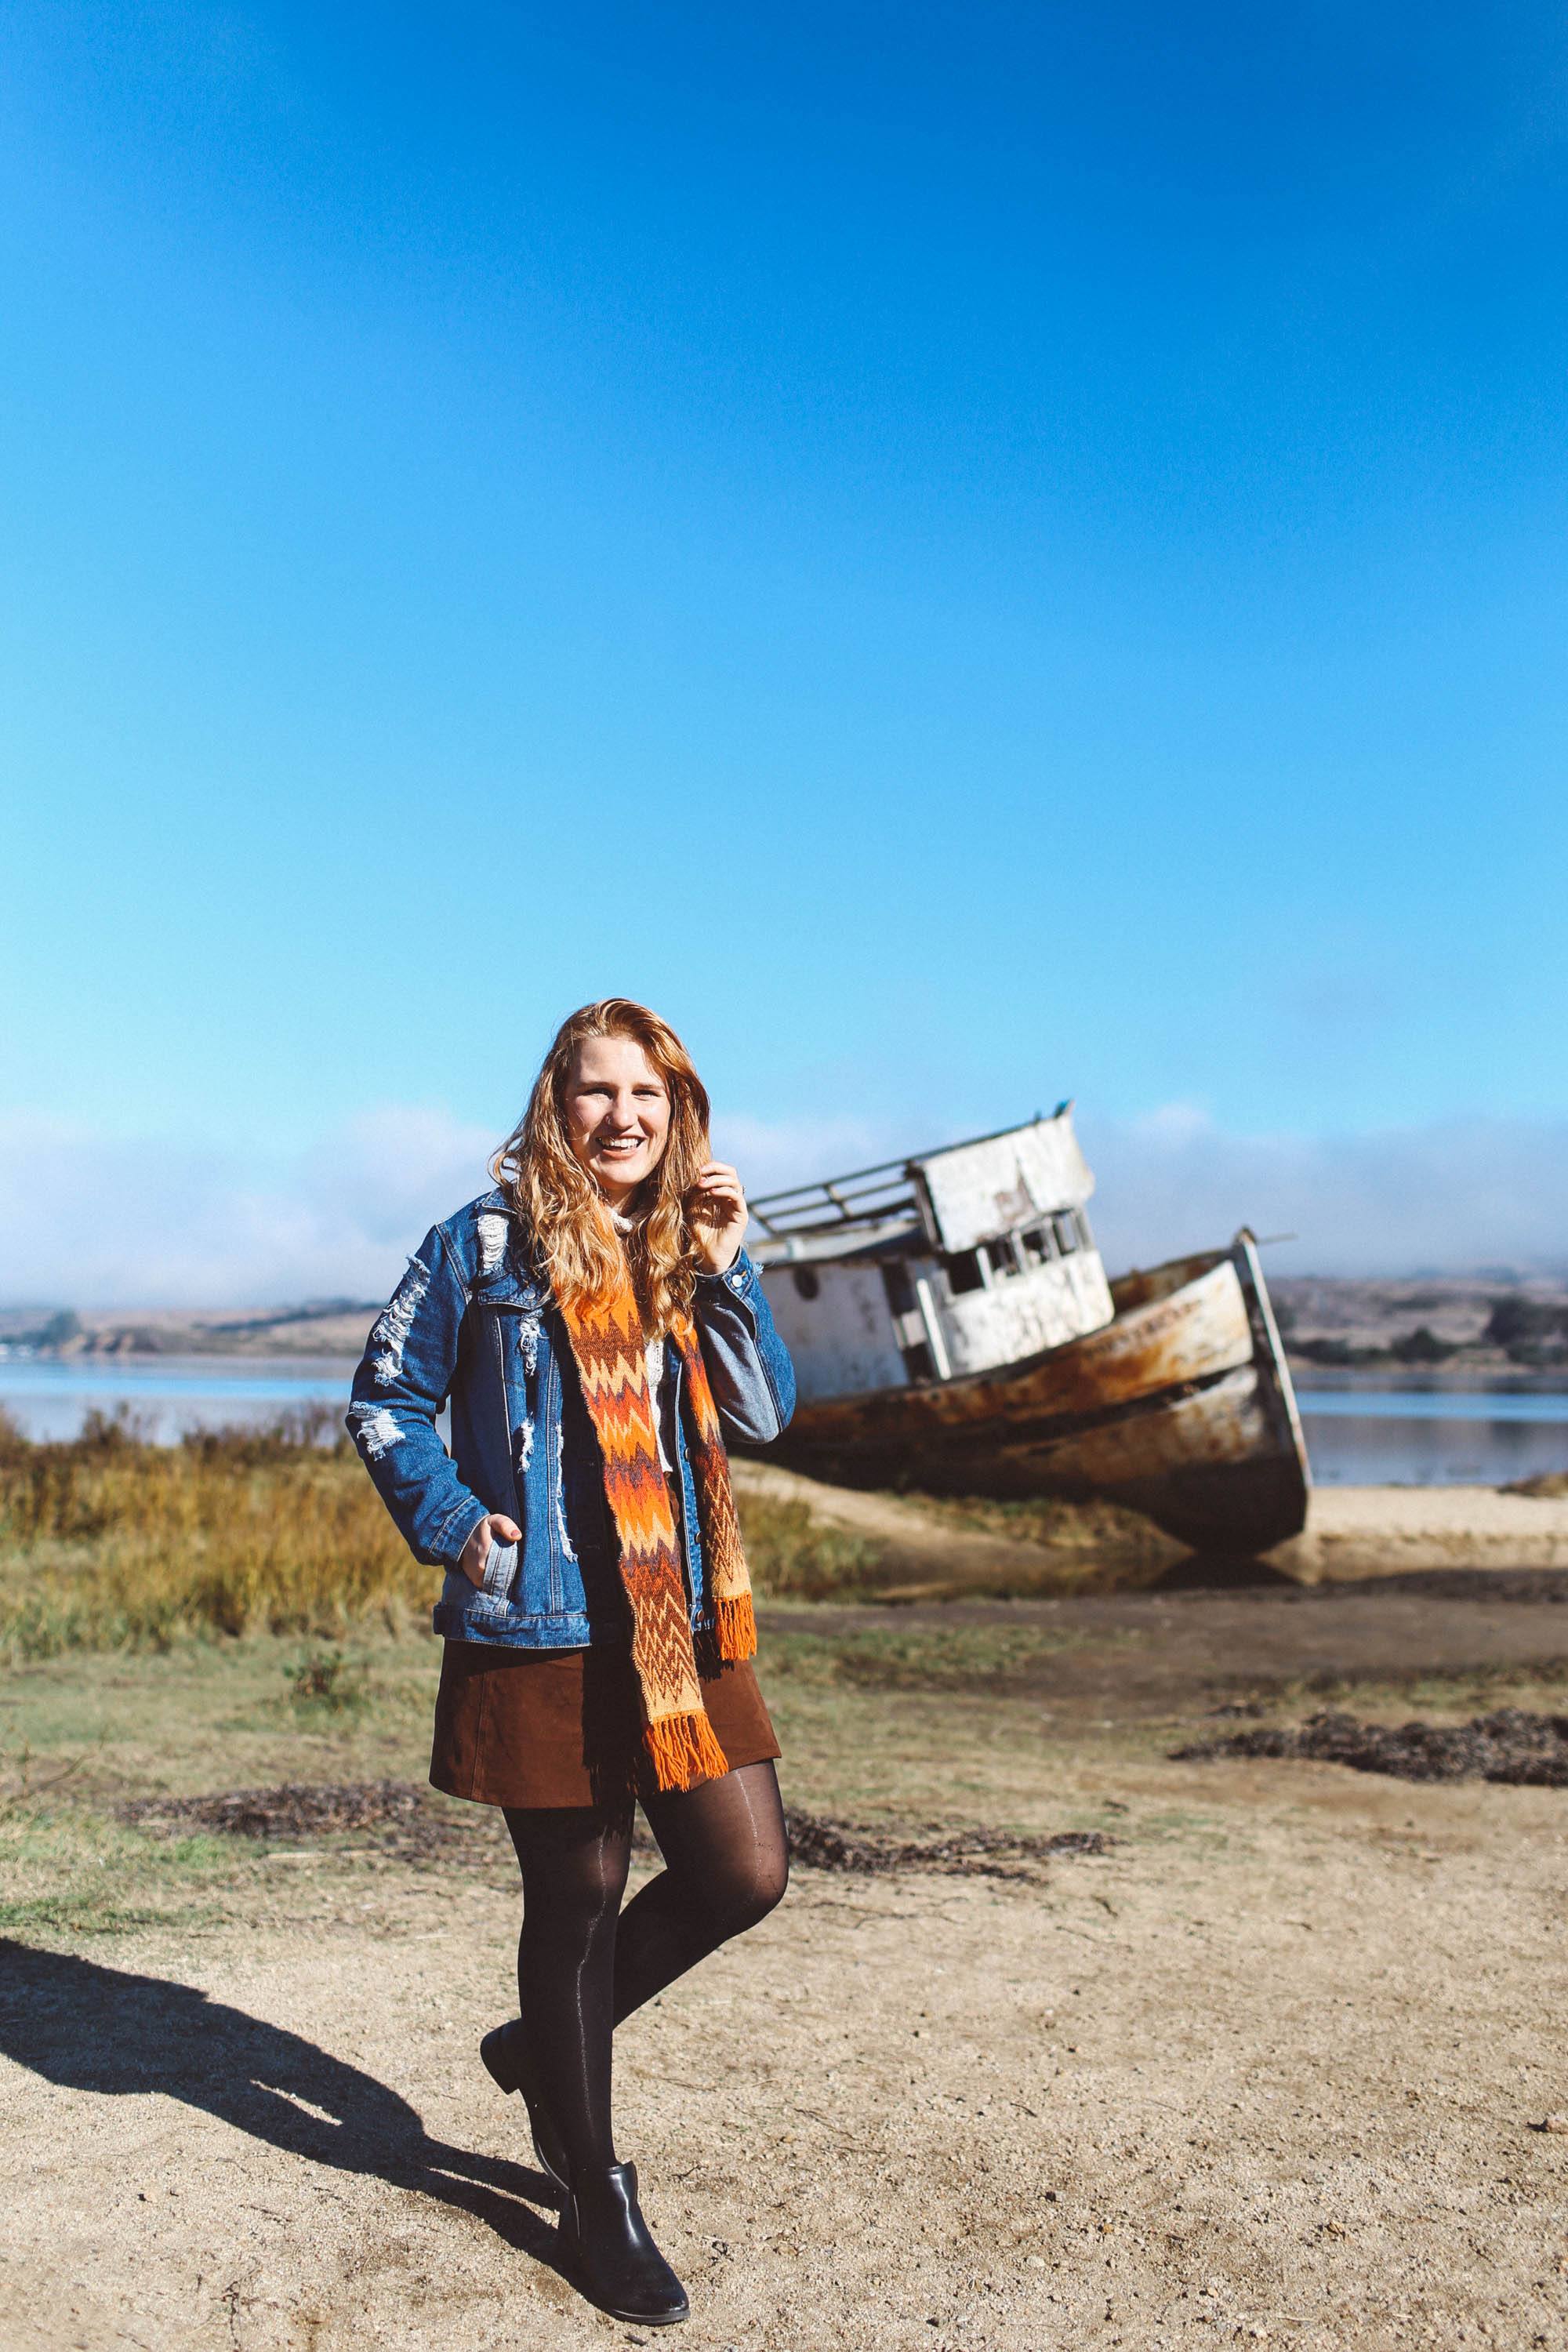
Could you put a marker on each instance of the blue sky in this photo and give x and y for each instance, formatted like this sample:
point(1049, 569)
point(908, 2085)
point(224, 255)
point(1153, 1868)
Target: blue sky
point(969, 554)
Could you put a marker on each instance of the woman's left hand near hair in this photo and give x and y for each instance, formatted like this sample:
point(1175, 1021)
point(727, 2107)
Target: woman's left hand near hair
point(717, 1212)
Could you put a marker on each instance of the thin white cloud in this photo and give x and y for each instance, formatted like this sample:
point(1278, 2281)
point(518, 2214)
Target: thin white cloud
point(87, 1223)
point(170, 1222)
point(1456, 1196)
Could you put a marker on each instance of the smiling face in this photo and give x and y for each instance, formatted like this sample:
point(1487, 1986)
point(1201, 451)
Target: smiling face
point(617, 1115)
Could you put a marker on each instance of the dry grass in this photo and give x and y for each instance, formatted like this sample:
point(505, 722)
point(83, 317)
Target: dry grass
point(1111, 1546)
point(108, 1541)
point(794, 1557)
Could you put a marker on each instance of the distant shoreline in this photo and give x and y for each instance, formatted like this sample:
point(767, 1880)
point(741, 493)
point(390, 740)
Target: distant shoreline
point(263, 1334)
point(1462, 1375)
point(1456, 1332)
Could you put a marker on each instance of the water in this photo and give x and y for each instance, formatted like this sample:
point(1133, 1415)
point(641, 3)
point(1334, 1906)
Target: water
point(1432, 1437)
point(168, 1394)
point(1360, 1437)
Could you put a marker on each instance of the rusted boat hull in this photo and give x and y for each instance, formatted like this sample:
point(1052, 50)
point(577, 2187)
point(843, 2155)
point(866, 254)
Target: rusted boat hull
point(1180, 1407)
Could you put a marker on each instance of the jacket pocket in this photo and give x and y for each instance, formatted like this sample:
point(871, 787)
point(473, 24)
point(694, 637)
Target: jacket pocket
point(501, 1572)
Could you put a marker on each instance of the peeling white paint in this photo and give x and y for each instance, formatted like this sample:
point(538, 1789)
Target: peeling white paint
point(375, 1432)
point(490, 1227)
point(393, 1326)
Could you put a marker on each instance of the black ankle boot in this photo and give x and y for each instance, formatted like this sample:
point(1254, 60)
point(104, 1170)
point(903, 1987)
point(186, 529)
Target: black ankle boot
point(609, 2249)
point(506, 2055)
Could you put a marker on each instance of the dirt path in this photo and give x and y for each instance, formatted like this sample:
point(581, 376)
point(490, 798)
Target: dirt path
point(1267, 2074)
point(1113, 1658)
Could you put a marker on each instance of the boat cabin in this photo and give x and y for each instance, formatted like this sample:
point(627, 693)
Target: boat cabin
point(925, 1269)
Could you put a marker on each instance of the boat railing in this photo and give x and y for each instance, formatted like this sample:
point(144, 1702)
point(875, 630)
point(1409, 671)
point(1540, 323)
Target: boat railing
point(957, 1194)
point(867, 1196)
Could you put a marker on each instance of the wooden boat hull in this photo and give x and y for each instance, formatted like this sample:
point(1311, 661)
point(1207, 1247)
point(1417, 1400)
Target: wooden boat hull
point(1181, 1408)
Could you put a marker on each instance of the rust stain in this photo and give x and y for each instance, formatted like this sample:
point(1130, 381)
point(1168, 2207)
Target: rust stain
point(1200, 1330)
point(1168, 1409)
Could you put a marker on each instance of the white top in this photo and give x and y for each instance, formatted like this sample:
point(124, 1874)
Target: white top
point(654, 1383)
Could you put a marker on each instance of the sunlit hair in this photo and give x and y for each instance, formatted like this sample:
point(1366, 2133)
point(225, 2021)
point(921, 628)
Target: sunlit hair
point(560, 1205)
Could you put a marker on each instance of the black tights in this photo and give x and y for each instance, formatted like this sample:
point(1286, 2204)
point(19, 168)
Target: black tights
point(583, 1964)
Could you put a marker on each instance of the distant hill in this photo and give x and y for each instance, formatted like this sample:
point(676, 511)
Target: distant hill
point(1488, 1323)
point(1481, 1323)
point(332, 1327)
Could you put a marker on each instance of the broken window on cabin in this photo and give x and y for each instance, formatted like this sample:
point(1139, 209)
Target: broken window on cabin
point(901, 1290)
point(1067, 1231)
point(1003, 1257)
point(1039, 1245)
point(899, 1284)
point(963, 1271)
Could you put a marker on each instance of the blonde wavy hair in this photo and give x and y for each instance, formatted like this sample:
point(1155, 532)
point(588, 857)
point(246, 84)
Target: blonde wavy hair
point(561, 1206)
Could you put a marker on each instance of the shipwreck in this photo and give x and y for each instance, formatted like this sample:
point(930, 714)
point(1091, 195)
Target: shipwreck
point(953, 1330)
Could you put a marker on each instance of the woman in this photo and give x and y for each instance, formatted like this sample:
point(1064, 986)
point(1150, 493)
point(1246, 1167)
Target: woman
point(600, 1332)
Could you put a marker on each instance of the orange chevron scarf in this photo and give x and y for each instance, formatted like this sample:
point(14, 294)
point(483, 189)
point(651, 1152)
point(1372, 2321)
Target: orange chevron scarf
point(610, 1346)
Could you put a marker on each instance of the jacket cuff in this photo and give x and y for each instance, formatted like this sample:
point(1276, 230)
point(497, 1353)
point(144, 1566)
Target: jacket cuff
point(449, 1544)
point(738, 1277)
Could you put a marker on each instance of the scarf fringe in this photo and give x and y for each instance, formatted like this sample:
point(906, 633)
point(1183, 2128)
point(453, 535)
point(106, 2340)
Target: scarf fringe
point(736, 1625)
point(684, 1749)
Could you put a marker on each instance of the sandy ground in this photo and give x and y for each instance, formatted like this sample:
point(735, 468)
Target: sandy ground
point(1354, 1531)
point(1267, 2072)
point(1350, 1532)
point(1272, 2070)
point(909, 1536)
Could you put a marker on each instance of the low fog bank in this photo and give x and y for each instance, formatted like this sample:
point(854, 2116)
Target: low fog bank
point(1472, 1196)
point(92, 1223)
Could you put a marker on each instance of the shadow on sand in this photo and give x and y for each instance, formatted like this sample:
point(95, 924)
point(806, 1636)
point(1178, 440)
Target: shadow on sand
point(90, 2028)
point(1218, 1571)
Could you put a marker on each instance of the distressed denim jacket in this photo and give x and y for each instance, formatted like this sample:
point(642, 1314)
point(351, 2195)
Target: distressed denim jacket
point(472, 1320)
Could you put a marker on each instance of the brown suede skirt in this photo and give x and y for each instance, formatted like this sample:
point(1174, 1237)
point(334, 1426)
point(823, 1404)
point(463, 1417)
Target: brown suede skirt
point(549, 1728)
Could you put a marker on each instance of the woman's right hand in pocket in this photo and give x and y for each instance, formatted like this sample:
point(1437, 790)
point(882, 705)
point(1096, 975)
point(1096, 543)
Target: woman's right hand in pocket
point(494, 1528)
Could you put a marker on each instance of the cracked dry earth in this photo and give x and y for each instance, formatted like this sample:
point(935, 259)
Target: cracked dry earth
point(1265, 2073)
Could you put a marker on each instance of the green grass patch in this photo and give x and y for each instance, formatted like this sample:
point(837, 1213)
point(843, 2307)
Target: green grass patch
point(73, 1869)
point(53, 1915)
point(919, 1657)
point(329, 1682)
point(1473, 1690)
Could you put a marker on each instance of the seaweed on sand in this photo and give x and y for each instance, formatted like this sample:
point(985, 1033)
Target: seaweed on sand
point(399, 1818)
point(1512, 1744)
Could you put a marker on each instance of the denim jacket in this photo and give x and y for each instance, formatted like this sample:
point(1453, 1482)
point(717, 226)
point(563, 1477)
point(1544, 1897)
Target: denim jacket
point(472, 1320)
